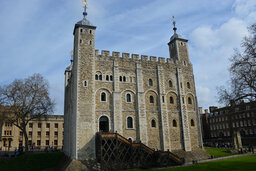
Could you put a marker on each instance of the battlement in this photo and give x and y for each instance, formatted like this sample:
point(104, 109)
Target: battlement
point(133, 57)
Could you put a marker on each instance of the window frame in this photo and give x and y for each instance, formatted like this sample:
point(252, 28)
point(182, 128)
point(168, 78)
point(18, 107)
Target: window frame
point(103, 99)
point(127, 122)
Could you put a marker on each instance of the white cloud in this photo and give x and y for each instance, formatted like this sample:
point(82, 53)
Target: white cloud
point(244, 7)
point(229, 34)
point(203, 94)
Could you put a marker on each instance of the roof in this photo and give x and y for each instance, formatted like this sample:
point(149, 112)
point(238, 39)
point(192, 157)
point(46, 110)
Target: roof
point(84, 23)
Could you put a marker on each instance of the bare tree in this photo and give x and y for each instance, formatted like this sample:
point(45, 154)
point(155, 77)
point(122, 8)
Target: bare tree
point(24, 100)
point(242, 84)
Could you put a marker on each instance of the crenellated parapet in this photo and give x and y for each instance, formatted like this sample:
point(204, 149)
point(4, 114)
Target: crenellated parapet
point(133, 57)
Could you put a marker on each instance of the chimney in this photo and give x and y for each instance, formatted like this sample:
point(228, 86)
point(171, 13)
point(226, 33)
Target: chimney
point(212, 108)
point(200, 109)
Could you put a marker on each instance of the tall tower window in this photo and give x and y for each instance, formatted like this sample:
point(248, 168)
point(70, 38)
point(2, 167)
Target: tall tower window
point(153, 123)
point(188, 85)
point(96, 77)
point(192, 122)
point(90, 31)
point(189, 100)
point(151, 99)
point(85, 83)
point(100, 77)
point(124, 78)
point(128, 98)
point(111, 78)
point(171, 100)
point(120, 78)
point(107, 77)
point(103, 97)
point(150, 82)
point(174, 123)
point(170, 83)
point(129, 122)
point(90, 42)
point(81, 30)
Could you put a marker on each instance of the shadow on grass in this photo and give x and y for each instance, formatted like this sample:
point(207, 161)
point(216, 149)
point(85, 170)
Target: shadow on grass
point(31, 162)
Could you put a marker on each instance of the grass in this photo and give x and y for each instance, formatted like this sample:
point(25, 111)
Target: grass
point(218, 152)
point(247, 163)
point(31, 162)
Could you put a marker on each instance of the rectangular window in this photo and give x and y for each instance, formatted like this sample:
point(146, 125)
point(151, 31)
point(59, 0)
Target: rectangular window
point(29, 142)
point(38, 142)
point(47, 142)
point(47, 133)
point(30, 133)
point(48, 125)
point(56, 125)
point(30, 125)
point(39, 133)
point(39, 125)
point(55, 142)
point(21, 133)
point(55, 133)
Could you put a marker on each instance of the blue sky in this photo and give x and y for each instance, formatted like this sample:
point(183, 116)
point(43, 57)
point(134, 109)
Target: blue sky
point(37, 36)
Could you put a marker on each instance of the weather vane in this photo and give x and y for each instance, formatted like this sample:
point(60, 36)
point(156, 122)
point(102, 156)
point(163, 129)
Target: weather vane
point(71, 55)
point(174, 25)
point(85, 6)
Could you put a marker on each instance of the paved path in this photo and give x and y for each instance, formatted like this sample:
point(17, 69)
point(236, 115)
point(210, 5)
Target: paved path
point(226, 157)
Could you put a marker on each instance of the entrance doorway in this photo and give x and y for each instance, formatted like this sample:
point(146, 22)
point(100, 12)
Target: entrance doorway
point(104, 124)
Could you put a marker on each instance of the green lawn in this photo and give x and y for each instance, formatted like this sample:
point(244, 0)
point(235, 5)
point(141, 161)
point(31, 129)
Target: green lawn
point(31, 162)
point(218, 152)
point(246, 163)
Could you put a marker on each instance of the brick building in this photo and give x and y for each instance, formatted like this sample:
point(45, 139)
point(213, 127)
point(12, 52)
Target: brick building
point(41, 133)
point(149, 100)
point(221, 123)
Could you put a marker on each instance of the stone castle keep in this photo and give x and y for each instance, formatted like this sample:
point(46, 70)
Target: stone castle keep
point(147, 99)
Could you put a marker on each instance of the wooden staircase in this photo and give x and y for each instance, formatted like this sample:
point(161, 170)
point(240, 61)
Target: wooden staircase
point(115, 152)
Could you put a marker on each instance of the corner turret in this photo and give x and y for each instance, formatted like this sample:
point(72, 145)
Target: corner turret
point(178, 47)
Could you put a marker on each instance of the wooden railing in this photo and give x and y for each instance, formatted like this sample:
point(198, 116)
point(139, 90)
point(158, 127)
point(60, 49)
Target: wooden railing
point(115, 152)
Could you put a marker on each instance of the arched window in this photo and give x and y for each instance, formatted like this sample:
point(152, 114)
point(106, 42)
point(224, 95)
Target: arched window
point(188, 85)
point(150, 82)
point(100, 77)
point(171, 100)
point(107, 77)
point(96, 77)
point(192, 122)
point(120, 78)
point(103, 97)
point(129, 122)
point(128, 98)
point(151, 99)
point(85, 83)
point(153, 123)
point(124, 78)
point(174, 123)
point(170, 83)
point(189, 101)
point(111, 78)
